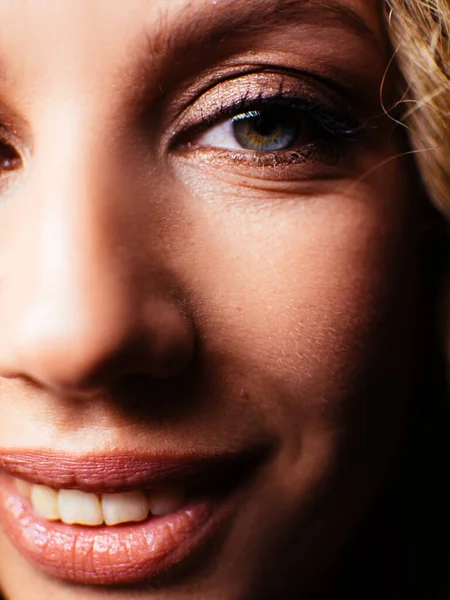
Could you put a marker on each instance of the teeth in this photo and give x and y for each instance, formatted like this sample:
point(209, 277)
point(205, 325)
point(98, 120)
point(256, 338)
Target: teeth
point(78, 507)
point(75, 507)
point(45, 501)
point(165, 500)
point(125, 507)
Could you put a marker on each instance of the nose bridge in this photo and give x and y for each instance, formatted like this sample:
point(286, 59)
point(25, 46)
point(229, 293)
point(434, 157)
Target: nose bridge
point(72, 238)
point(75, 247)
point(76, 280)
point(80, 304)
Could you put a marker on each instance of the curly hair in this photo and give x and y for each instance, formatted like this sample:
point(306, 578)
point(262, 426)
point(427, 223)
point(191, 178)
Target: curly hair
point(420, 32)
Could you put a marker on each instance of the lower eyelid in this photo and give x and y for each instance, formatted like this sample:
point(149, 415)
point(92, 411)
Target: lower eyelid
point(274, 160)
point(281, 171)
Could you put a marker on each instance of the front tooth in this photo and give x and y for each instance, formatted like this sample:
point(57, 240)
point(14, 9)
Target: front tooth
point(79, 507)
point(125, 507)
point(44, 500)
point(165, 500)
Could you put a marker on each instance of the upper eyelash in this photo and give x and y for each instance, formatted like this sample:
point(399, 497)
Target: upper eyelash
point(334, 123)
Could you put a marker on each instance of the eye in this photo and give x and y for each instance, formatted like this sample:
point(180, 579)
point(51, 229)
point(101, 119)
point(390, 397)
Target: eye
point(10, 159)
point(263, 119)
point(266, 130)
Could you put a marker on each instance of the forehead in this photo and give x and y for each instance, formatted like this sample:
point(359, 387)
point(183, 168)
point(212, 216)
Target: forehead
point(107, 25)
point(84, 13)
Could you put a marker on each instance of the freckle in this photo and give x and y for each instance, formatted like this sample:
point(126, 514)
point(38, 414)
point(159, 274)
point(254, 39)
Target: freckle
point(244, 394)
point(238, 308)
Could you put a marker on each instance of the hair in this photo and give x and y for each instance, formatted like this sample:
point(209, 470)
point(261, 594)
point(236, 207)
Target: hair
point(420, 34)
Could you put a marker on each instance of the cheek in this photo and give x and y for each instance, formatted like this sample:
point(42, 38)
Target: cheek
point(308, 304)
point(309, 301)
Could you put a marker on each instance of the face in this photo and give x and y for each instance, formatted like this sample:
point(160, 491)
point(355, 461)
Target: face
point(208, 255)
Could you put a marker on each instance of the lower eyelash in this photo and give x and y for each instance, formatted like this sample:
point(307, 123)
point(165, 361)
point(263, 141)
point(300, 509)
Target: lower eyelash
point(277, 159)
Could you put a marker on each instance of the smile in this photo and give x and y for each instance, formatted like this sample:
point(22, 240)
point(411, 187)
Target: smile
point(116, 519)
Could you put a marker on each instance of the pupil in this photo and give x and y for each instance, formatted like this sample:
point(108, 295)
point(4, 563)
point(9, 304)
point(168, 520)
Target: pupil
point(266, 125)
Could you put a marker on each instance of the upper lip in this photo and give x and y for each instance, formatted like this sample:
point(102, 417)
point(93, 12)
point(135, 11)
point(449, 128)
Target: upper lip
point(122, 471)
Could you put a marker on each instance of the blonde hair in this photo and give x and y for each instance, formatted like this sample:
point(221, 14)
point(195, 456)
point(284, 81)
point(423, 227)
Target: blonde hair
point(420, 35)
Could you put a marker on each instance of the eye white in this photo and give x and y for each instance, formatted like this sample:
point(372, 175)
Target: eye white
point(219, 136)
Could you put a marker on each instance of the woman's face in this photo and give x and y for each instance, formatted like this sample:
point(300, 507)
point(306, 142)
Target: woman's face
point(208, 258)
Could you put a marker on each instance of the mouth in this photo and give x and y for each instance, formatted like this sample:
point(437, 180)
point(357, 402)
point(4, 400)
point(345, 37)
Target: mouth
point(117, 519)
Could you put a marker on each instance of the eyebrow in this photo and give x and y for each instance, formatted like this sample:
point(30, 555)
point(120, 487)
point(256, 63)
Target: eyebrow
point(219, 20)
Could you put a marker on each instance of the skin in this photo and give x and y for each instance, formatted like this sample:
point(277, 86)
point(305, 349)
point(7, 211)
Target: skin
point(252, 304)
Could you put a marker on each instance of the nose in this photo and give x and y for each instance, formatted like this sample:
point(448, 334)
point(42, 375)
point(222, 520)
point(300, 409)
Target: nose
point(80, 307)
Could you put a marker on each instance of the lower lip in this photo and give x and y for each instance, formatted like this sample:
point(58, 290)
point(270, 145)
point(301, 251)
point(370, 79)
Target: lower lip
point(121, 554)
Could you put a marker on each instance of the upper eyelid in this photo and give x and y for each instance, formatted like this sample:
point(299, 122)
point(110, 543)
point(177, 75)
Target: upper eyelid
point(247, 89)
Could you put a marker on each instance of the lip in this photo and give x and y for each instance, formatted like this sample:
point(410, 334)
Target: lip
point(122, 554)
point(120, 472)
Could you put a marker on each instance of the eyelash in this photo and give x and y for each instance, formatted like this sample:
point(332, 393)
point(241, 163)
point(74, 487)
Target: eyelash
point(335, 130)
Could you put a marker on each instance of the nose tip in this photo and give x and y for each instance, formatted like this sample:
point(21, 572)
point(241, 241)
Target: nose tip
point(72, 352)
